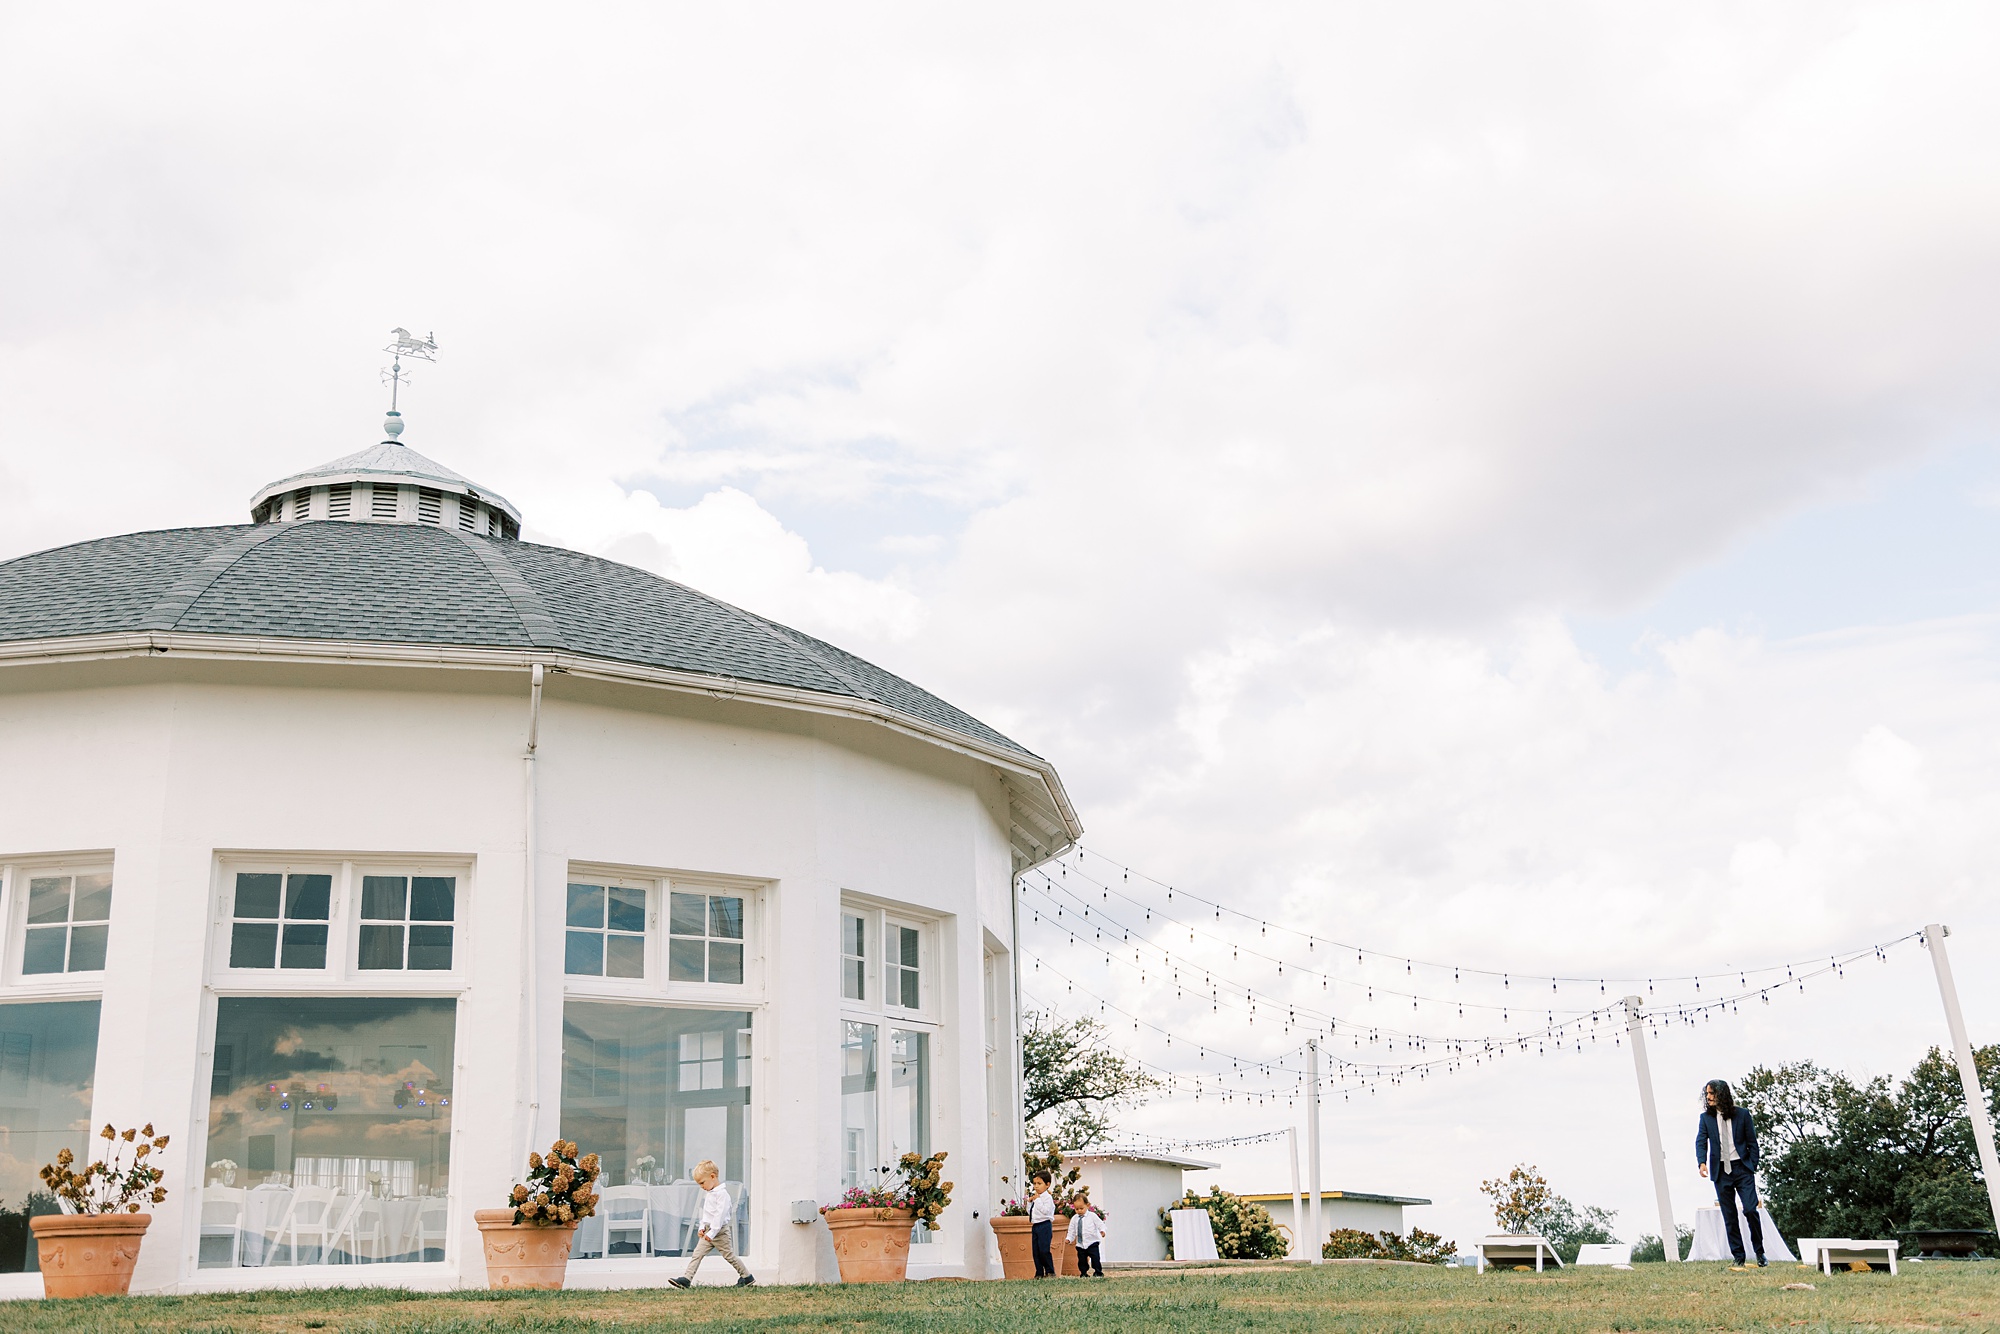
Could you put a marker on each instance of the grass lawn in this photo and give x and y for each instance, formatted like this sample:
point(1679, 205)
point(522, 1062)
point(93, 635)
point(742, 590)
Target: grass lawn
point(1336, 1297)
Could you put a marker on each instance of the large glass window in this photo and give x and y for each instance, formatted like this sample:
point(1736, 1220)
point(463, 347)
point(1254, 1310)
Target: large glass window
point(329, 1131)
point(605, 934)
point(705, 941)
point(910, 1104)
point(280, 921)
point(48, 1052)
point(860, 1151)
point(69, 923)
point(654, 1090)
point(406, 921)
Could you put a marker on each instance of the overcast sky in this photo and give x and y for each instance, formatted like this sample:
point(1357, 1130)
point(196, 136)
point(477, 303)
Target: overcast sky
point(1508, 485)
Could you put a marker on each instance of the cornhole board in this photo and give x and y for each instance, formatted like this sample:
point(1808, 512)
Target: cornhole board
point(1617, 1254)
point(1514, 1249)
point(1194, 1235)
point(1827, 1252)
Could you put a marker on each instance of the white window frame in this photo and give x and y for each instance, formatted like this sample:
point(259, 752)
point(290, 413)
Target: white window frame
point(875, 1009)
point(656, 985)
point(14, 878)
point(343, 974)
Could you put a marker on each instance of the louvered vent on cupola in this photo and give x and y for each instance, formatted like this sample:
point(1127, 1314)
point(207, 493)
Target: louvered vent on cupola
point(339, 500)
point(301, 506)
point(469, 518)
point(382, 505)
point(430, 504)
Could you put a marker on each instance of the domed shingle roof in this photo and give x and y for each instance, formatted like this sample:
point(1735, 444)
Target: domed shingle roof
point(414, 584)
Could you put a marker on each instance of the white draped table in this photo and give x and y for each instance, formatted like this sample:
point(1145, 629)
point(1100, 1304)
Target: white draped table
point(672, 1213)
point(1711, 1235)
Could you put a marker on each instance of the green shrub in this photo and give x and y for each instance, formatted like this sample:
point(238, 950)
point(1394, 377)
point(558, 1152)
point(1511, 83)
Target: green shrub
point(1353, 1244)
point(1243, 1230)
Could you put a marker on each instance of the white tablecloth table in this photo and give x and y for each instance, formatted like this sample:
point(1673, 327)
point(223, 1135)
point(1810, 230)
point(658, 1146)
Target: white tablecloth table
point(265, 1242)
point(1711, 1235)
point(672, 1214)
point(1194, 1235)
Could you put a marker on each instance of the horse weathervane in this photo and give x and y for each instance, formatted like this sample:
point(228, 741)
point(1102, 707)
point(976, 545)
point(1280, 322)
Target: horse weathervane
point(406, 345)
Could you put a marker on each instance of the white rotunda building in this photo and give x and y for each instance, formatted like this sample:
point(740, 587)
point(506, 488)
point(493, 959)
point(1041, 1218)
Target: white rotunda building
point(365, 846)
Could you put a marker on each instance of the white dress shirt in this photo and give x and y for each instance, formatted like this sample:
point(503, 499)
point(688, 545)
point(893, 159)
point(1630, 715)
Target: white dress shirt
point(1042, 1209)
point(715, 1210)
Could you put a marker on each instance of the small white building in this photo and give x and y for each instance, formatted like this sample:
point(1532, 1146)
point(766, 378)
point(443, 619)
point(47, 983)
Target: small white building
point(365, 846)
point(1359, 1209)
point(1131, 1189)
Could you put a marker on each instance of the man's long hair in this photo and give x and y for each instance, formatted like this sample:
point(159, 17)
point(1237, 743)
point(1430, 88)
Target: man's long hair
point(1725, 1101)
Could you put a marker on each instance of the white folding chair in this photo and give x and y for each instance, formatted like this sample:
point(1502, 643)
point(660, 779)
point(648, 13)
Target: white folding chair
point(276, 1204)
point(625, 1210)
point(432, 1217)
point(314, 1210)
point(344, 1228)
point(222, 1218)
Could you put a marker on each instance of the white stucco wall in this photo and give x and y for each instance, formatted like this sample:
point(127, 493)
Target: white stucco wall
point(166, 764)
point(1336, 1211)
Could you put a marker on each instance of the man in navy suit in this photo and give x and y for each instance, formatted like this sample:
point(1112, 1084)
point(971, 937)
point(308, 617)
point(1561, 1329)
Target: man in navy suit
point(1725, 1145)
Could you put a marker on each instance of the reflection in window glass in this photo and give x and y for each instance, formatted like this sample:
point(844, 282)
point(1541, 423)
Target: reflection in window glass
point(68, 923)
point(280, 921)
point(648, 1082)
point(405, 921)
point(859, 1156)
point(705, 938)
point(605, 933)
point(853, 957)
point(48, 1051)
point(910, 1103)
point(329, 1131)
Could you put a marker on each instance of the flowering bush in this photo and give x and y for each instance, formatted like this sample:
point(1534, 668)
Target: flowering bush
point(1349, 1243)
point(113, 1186)
point(927, 1194)
point(877, 1196)
point(558, 1190)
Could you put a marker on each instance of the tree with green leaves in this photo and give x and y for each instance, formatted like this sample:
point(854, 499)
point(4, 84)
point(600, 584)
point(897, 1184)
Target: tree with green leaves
point(1874, 1158)
point(1072, 1079)
point(1524, 1202)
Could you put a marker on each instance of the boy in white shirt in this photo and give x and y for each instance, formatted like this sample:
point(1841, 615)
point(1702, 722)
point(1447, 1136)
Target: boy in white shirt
point(717, 1215)
point(1086, 1232)
point(1041, 1225)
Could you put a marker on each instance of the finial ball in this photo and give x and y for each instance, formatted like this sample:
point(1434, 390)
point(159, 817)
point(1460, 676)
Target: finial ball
point(394, 425)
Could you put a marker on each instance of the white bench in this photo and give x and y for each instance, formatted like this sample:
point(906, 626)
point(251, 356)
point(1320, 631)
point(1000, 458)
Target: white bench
point(1617, 1254)
point(1514, 1248)
point(1826, 1252)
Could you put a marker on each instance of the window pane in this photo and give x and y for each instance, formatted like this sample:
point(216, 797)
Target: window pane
point(253, 944)
point(383, 898)
point(853, 936)
point(625, 908)
point(853, 979)
point(725, 962)
point(86, 948)
point(44, 952)
point(686, 961)
point(430, 948)
point(381, 947)
point(48, 899)
point(689, 915)
point(910, 998)
point(725, 916)
point(306, 896)
point(583, 953)
point(652, 1098)
point(431, 898)
point(906, 941)
point(257, 894)
point(909, 1094)
point(93, 898)
point(859, 1156)
point(331, 1103)
point(586, 906)
point(305, 944)
point(48, 1051)
point(625, 956)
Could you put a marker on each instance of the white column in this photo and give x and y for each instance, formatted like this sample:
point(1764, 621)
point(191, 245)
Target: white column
point(1635, 1027)
point(1298, 1214)
point(1318, 1238)
point(1968, 1073)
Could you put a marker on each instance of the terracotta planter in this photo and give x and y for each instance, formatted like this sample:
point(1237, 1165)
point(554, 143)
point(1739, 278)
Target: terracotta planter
point(1064, 1250)
point(1017, 1245)
point(872, 1245)
point(88, 1255)
point(522, 1255)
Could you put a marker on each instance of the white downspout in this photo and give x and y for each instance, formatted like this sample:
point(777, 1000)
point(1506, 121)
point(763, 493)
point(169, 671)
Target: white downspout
point(531, 1000)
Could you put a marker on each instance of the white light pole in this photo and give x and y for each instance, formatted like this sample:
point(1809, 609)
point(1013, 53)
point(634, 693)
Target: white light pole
point(1312, 1144)
point(1635, 1026)
point(1298, 1214)
point(1968, 1073)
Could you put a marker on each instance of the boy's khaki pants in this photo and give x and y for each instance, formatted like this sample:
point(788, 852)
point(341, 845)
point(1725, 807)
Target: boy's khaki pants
point(720, 1243)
